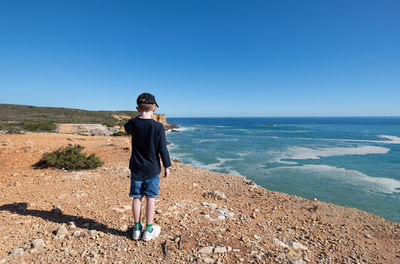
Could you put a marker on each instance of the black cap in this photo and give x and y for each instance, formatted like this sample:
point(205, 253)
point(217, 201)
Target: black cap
point(146, 98)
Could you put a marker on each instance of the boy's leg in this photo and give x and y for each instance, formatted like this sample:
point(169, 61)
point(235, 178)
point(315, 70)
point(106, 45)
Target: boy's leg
point(137, 208)
point(150, 204)
point(136, 211)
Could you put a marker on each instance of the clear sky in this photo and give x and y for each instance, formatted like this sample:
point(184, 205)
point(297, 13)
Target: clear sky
point(204, 57)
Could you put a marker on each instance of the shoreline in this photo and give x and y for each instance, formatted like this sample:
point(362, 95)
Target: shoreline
point(205, 216)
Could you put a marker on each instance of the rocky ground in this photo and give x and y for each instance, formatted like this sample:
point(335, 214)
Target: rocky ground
point(57, 216)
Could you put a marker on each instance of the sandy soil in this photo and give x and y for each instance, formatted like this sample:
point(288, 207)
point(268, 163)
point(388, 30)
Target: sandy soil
point(204, 216)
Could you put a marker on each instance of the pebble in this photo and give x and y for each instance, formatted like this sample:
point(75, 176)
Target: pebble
point(206, 250)
point(296, 245)
point(62, 230)
point(257, 237)
point(71, 225)
point(368, 236)
point(77, 233)
point(56, 209)
point(216, 195)
point(92, 233)
point(207, 260)
point(279, 243)
point(16, 252)
point(220, 250)
point(298, 261)
point(37, 243)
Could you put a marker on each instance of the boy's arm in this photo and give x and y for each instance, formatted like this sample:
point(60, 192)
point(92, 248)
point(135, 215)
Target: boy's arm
point(164, 151)
point(127, 128)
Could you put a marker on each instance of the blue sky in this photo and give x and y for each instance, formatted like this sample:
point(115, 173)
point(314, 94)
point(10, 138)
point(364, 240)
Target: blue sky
point(204, 58)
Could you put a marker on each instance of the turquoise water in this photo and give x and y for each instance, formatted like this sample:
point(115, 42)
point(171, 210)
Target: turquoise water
point(350, 161)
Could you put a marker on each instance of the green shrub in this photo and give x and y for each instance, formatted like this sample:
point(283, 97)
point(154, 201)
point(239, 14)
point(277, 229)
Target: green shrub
point(69, 158)
point(108, 124)
point(119, 133)
point(46, 126)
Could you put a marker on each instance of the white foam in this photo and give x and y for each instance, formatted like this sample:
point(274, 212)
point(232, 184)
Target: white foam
point(391, 139)
point(352, 177)
point(303, 153)
point(181, 129)
point(217, 140)
point(213, 166)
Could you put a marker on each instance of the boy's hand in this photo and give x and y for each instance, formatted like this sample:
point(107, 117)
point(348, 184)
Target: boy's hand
point(166, 172)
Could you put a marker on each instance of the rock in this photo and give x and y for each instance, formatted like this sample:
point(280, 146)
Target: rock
point(16, 252)
point(257, 237)
point(296, 245)
point(368, 236)
point(77, 233)
point(37, 243)
point(56, 209)
point(279, 242)
point(220, 250)
point(71, 225)
point(216, 195)
point(298, 261)
point(221, 217)
point(206, 250)
point(92, 233)
point(62, 230)
point(207, 260)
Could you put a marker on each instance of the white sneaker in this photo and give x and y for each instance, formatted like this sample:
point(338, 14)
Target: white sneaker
point(150, 235)
point(136, 234)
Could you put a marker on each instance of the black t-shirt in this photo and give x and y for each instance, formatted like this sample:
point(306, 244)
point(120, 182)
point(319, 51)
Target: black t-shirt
point(148, 143)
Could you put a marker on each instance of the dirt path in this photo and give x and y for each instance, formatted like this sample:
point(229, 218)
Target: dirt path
point(205, 216)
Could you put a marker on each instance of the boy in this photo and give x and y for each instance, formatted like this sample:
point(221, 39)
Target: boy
point(148, 144)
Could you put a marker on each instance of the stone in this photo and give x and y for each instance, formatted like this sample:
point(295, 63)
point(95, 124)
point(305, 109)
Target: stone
point(71, 225)
point(16, 252)
point(368, 236)
point(56, 209)
point(206, 250)
point(298, 261)
point(257, 237)
point(62, 230)
point(220, 250)
point(37, 243)
point(279, 242)
point(221, 217)
point(92, 233)
point(297, 245)
point(216, 195)
point(207, 260)
point(77, 233)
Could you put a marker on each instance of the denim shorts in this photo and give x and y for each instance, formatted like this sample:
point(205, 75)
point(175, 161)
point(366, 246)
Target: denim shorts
point(144, 187)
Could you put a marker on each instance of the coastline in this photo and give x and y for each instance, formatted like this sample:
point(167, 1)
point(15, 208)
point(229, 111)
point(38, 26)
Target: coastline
point(205, 216)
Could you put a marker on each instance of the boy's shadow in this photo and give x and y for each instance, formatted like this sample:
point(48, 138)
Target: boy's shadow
point(21, 209)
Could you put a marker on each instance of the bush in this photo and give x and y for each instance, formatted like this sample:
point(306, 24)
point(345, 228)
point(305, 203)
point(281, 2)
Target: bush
point(108, 124)
point(47, 126)
point(69, 158)
point(119, 133)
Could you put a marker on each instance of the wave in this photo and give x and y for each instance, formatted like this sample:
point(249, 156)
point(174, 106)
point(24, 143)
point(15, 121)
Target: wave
point(391, 139)
point(303, 153)
point(217, 140)
point(353, 177)
point(212, 166)
point(189, 128)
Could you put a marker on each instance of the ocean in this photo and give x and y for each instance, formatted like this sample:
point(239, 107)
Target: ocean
point(349, 161)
